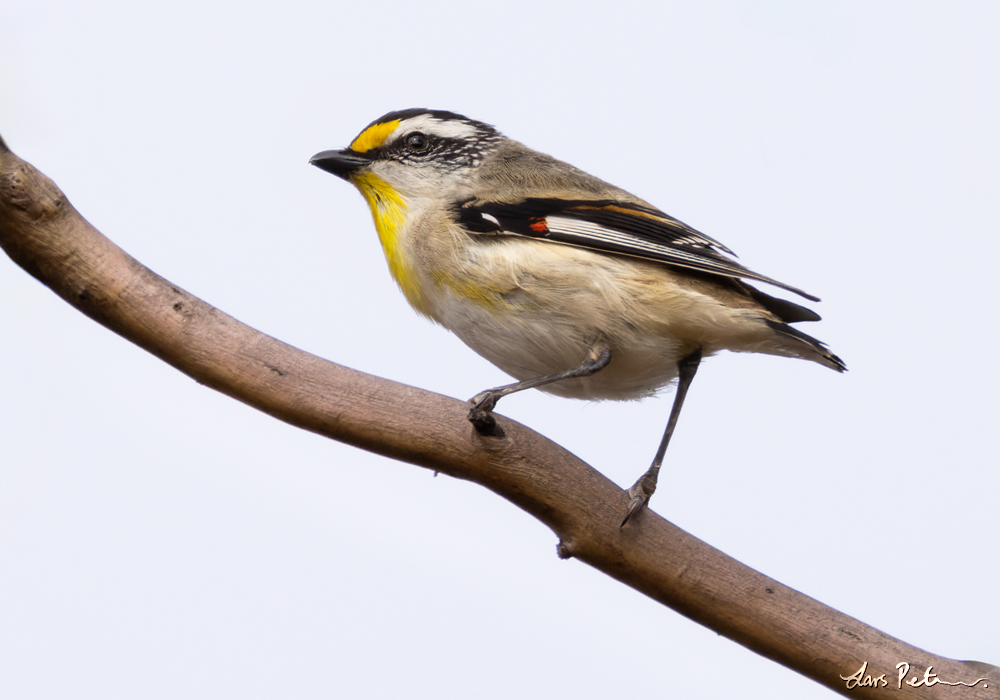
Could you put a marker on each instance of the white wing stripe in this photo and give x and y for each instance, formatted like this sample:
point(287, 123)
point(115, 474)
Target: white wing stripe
point(594, 232)
point(576, 232)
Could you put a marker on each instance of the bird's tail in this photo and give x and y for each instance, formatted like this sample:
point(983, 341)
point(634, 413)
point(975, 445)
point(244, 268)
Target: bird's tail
point(816, 351)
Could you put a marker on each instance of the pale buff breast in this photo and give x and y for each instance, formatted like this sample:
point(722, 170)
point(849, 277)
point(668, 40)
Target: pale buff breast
point(533, 308)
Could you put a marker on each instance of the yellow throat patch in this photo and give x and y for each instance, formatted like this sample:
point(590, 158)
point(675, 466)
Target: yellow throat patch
point(388, 211)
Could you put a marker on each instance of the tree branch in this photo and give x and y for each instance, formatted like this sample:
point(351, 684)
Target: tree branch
point(45, 235)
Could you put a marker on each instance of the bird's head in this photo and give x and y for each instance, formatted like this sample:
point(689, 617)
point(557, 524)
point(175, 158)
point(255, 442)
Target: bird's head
point(413, 153)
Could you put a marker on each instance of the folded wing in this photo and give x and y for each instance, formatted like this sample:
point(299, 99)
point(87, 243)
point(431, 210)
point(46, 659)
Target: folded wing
point(613, 227)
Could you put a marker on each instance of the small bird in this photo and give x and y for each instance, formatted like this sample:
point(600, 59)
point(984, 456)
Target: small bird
point(567, 283)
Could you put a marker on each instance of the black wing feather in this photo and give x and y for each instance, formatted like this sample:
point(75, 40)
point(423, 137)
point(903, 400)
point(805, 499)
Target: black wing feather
point(611, 226)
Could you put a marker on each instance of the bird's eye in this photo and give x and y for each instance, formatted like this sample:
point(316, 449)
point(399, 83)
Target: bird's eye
point(417, 142)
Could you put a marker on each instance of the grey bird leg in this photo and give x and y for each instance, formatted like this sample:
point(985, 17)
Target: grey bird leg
point(483, 403)
point(642, 489)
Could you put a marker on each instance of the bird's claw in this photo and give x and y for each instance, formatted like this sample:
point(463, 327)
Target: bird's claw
point(481, 414)
point(640, 494)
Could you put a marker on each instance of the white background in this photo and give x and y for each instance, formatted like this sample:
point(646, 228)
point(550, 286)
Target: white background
point(158, 540)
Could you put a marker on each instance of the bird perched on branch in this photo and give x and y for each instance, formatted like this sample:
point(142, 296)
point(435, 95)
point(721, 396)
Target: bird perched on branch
point(567, 283)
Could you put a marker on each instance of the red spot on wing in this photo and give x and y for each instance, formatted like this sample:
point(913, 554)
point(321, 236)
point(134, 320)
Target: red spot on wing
point(538, 225)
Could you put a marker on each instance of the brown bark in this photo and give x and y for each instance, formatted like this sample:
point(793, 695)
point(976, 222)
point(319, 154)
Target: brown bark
point(45, 235)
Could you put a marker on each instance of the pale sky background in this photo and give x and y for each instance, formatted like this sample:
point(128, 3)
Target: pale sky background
point(159, 540)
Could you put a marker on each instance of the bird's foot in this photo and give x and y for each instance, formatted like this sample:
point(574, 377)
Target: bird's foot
point(640, 493)
point(481, 414)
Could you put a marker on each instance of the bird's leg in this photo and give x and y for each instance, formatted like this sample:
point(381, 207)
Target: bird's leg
point(483, 403)
point(642, 489)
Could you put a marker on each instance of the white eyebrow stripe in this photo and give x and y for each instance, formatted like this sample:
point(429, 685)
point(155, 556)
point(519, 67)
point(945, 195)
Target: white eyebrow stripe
point(429, 124)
